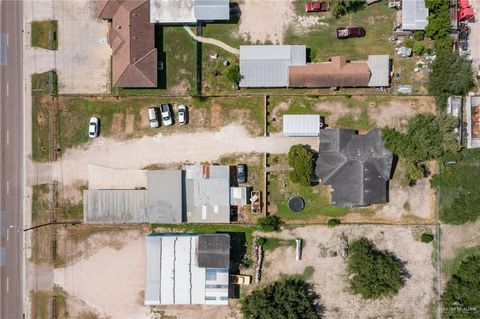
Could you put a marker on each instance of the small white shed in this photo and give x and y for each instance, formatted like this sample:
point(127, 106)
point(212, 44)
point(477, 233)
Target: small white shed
point(301, 125)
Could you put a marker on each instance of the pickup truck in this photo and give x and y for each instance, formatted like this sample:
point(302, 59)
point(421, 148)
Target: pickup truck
point(350, 32)
point(316, 6)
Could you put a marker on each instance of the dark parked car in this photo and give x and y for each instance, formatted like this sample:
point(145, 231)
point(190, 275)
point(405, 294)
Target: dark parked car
point(316, 6)
point(350, 32)
point(241, 173)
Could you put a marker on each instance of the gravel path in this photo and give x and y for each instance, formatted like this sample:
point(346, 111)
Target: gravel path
point(160, 149)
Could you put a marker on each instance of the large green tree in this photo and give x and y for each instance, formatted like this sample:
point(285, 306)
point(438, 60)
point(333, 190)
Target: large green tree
point(301, 160)
point(427, 137)
point(451, 75)
point(461, 299)
point(373, 273)
point(340, 8)
point(285, 299)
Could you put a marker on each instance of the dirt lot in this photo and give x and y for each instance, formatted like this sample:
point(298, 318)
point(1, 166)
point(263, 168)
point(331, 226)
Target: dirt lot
point(260, 20)
point(330, 277)
point(114, 260)
point(83, 56)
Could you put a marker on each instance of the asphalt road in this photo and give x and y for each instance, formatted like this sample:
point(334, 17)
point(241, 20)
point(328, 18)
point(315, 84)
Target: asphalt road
point(11, 158)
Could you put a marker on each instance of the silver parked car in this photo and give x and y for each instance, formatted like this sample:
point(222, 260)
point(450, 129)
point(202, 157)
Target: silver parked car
point(166, 114)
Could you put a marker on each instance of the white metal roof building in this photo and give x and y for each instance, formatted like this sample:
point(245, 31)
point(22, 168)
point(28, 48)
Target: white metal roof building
point(173, 275)
point(380, 70)
point(207, 193)
point(188, 11)
point(473, 121)
point(267, 65)
point(414, 15)
point(301, 125)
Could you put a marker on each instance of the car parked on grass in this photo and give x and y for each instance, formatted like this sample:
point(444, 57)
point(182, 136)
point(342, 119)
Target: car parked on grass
point(241, 173)
point(167, 119)
point(182, 114)
point(93, 127)
point(240, 279)
point(350, 32)
point(152, 116)
point(316, 6)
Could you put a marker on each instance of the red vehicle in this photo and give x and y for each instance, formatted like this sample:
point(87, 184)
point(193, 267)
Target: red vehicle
point(316, 6)
point(350, 32)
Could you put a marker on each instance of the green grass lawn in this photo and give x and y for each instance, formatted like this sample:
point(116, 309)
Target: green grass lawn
point(45, 34)
point(316, 199)
point(40, 204)
point(42, 84)
point(377, 19)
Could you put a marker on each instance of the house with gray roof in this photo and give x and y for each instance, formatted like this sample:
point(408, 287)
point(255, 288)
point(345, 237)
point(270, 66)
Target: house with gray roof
point(267, 65)
point(357, 167)
point(414, 15)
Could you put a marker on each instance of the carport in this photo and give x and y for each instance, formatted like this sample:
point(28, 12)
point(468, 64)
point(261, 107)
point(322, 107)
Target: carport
point(301, 125)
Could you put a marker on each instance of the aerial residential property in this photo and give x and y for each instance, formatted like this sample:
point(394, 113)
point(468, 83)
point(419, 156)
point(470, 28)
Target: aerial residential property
point(248, 159)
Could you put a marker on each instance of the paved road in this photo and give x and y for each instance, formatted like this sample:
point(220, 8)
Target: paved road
point(11, 158)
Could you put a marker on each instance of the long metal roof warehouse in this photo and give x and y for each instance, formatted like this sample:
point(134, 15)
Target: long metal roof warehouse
point(301, 125)
point(267, 65)
point(184, 269)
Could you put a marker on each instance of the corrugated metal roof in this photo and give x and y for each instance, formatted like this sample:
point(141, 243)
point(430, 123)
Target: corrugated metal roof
point(172, 275)
point(380, 70)
point(238, 196)
point(301, 125)
point(211, 10)
point(414, 15)
point(103, 206)
point(267, 65)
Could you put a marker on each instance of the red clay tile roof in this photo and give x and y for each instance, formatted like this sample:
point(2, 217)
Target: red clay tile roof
point(337, 73)
point(132, 38)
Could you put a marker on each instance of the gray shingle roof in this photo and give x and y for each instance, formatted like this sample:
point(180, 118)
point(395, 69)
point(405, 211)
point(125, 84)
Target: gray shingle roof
point(357, 166)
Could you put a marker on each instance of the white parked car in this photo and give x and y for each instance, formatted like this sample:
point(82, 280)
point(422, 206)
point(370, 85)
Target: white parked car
point(166, 114)
point(152, 116)
point(182, 114)
point(93, 129)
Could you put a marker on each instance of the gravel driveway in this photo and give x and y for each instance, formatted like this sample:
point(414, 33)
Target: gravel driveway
point(160, 149)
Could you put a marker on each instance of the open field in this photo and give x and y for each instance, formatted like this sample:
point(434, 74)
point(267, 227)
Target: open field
point(45, 34)
point(358, 112)
point(329, 276)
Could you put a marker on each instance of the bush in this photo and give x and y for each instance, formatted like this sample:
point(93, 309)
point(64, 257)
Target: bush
point(260, 241)
point(269, 223)
point(427, 238)
point(333, 222)
point(374, 273)
point(458, 203)
point(233, 74)
point(461, 298)
point(287, 298)
point(418, 48)
point(419, 35)
point(301, 160)
point(451, 74)
point(339, 8)
point(438, 19)
point(409, 43)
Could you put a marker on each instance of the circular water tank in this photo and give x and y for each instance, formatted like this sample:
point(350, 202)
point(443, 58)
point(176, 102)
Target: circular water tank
point(296, 204)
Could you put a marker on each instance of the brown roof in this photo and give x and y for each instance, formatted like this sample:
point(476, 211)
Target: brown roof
point(337, 73)
point(132, 38)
